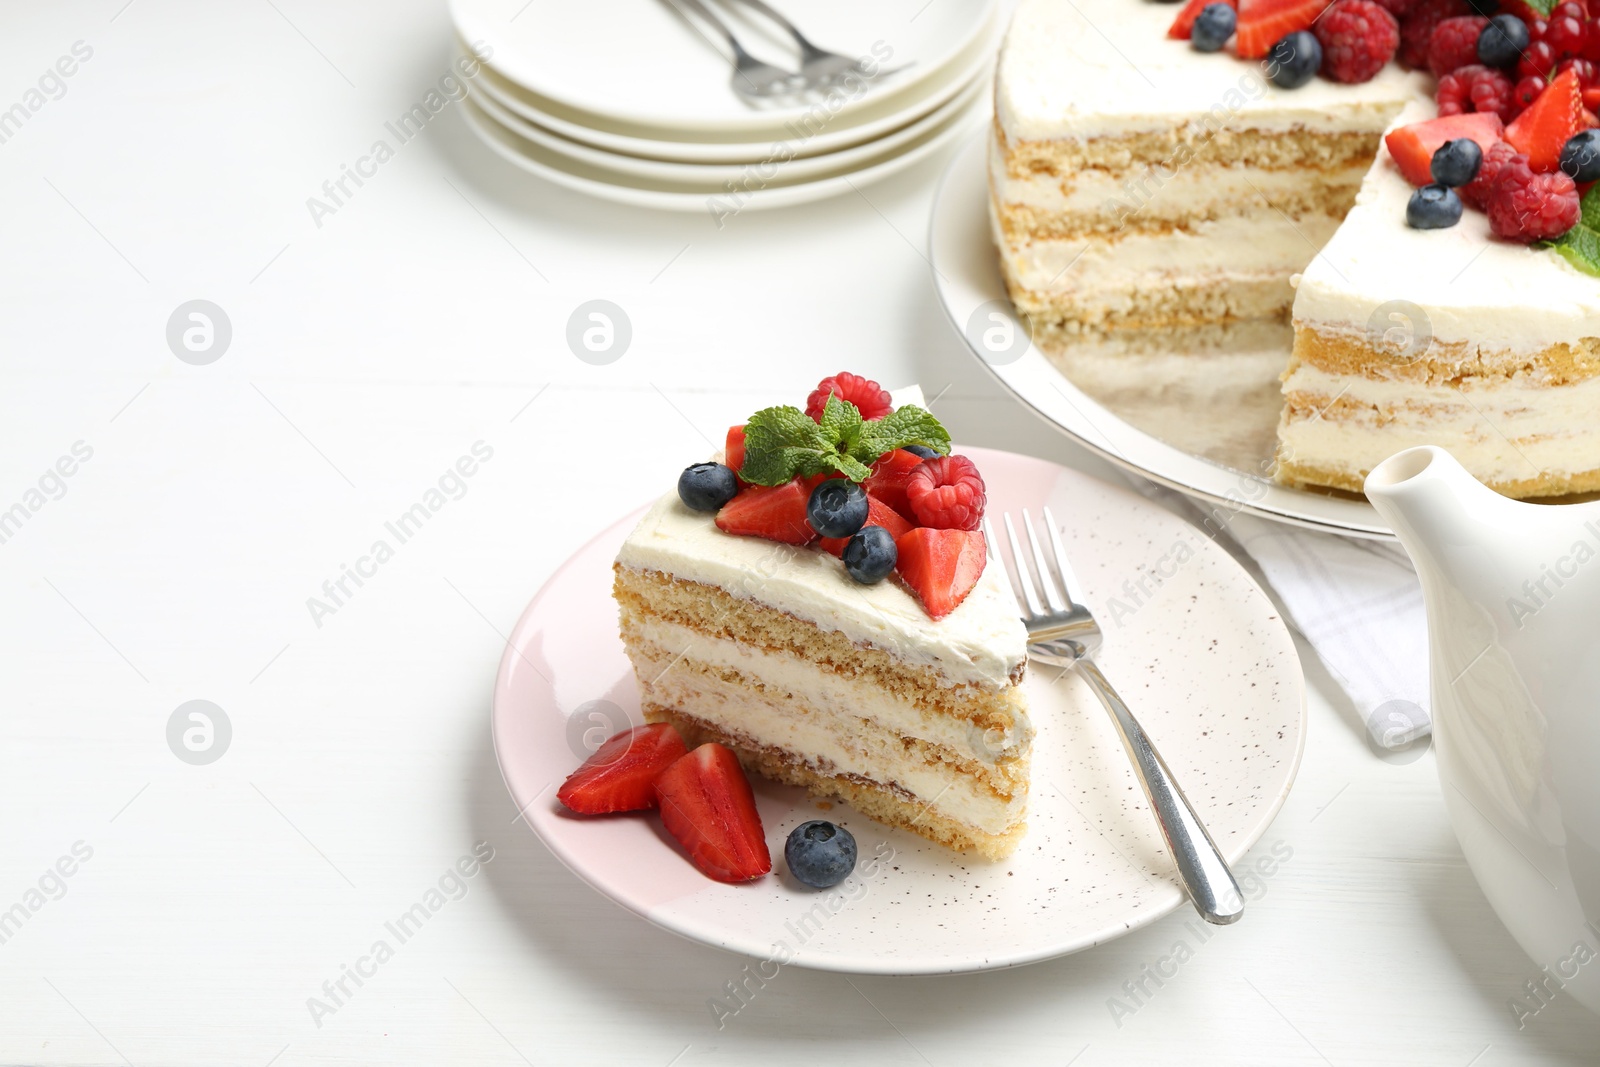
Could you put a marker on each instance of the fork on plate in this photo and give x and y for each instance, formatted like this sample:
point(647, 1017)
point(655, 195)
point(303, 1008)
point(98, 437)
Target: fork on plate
point(1062, 631)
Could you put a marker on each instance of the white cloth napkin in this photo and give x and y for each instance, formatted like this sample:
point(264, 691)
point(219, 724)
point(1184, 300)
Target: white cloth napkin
point(1356, 602)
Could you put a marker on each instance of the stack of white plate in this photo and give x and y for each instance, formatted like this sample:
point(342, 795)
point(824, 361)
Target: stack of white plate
point(628, 100)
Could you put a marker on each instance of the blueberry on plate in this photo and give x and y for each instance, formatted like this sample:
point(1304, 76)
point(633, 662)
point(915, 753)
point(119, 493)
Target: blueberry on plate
point(870, 555)
point(1580, 156)
point(1456, 162)
point(1294, 60)
point(820, 854)
point(707, 486)
point(1503, 41)
point(1212, 27)
point(922, 450)
point(837, 508)
point(1433, 207)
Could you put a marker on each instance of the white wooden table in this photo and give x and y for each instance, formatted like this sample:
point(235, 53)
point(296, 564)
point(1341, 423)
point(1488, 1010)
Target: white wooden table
point(166, 912)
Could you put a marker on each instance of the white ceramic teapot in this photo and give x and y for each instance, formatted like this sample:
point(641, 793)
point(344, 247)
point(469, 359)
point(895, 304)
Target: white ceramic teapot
point(1513, 599)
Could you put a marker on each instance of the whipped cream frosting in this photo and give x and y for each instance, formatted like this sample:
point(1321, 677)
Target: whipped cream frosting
point(1077, 69)
point(1499, 296)
point(981, 642)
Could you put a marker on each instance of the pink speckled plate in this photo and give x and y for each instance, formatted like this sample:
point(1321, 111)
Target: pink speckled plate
point(1194, 646)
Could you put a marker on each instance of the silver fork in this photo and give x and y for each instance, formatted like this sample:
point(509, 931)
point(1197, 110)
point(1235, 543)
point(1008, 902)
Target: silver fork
point(1062, 631)
point(820, 67)
point(755, 81)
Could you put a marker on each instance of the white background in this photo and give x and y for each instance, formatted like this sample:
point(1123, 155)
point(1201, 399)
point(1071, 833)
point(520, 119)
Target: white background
point(428, 314)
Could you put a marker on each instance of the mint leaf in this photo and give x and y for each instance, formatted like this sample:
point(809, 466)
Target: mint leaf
point(905, 425)
point(780, 442)
point(841, 423)
point(1580, 245)
point(1543, 7)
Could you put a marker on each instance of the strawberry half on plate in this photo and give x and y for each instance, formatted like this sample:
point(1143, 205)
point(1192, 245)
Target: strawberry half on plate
point(707, 805)
point(621, 775)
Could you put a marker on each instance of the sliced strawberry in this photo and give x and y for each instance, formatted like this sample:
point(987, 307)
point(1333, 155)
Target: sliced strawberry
point(940, 566)
point(706, 803)
point(1263, 23)
point(621, 775)
point(1413, 146)
point(1549, 122)
point(888, 479)
point(878, 514)
point(1179, 30)
point(777, 513)
point(733, 449)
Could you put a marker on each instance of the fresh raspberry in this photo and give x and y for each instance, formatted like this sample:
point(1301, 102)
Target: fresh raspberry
point(871, 398)
point(1454, 44)
point(1476, 192)
point(1526, 92)
point(1397, 8)
point(1476, 88)
point(1358, 37)
point(1417, 26)
point(946, 493)
point(1528, 207)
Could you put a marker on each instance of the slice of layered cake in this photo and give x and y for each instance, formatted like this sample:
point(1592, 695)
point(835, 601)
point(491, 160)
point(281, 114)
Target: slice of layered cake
point(1138, 184)
point(822, 603)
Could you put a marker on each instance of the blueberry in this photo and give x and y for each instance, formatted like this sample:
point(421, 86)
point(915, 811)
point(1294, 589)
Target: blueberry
point(1433, 207)
point(1212, 27)
point(820, 854)
point(1580, 156)
point(922, 450)
point(837, 508)
point(707, 486)
point(1503, 41)
point(870, 555)
point(1294, 60)
point(1456, 162)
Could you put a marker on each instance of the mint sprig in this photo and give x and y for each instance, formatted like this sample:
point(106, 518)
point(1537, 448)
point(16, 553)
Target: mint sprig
point(1543, 7)
point(1580, 245)
point(784, 442)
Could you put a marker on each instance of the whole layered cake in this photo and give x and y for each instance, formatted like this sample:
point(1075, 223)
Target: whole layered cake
point(819, 601)
point(1147, 190)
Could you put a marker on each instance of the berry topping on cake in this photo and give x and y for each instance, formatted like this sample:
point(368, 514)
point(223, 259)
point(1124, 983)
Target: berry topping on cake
point(777, 513)
point(707, 805)
point(1456, 162)
point(1358, 37)
point(1182, 28)
point(1527, 91)
point(878, 514)
point(621, 774)
point(1213, 27)
point(870, 556)
point(820, 854)
point(1476, 88)
point(870, 398)
point(940, 566)
point(1413, 146)
point(888, 479)
point(733, 448)
point(837, 508)
point(1502, 41)
point(1398, 8)
point(1580, 156)
point(1495, 158)
point(1417, 26)
point(1454, 44)
point(1549, 122)
point(1294, 60)
point(1433, 207)
point(1266, 23)
point(920, 451)
point(707, 486)
point(946, 493)
point(1526, 206)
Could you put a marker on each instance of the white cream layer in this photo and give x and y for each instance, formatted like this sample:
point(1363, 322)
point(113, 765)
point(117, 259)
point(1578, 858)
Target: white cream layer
point(1260, 243)
point(1497, 296)
point(945, 789)
point(981, 642)
point(1077, 69)
point(833, 695)
point(1195, 189)
point(1510, 432)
